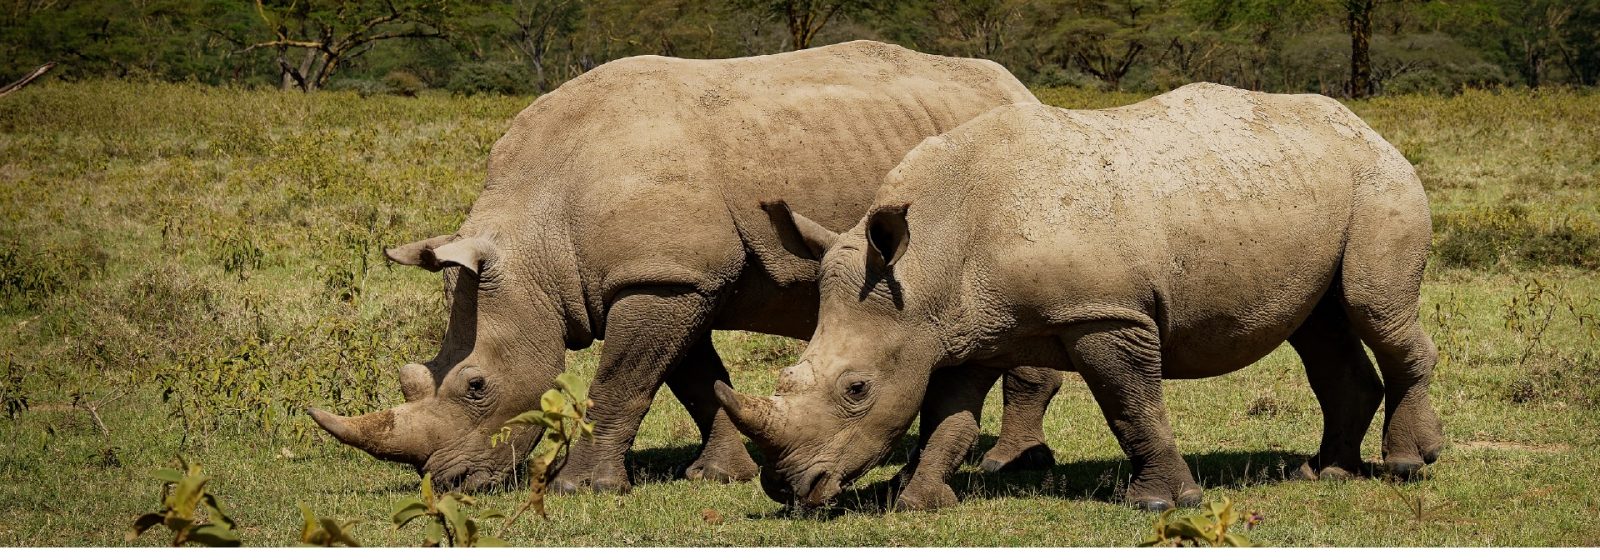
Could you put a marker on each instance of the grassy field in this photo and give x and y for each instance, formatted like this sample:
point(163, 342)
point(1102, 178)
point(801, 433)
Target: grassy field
point(183, 269)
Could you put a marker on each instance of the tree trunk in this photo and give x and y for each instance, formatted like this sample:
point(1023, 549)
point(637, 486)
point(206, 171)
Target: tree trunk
point(1360, 12)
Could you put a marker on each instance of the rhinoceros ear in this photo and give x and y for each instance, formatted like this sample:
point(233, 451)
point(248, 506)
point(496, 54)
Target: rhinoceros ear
point(418, 253)
point(800, 235)
point(887, 234)
point(469, 253)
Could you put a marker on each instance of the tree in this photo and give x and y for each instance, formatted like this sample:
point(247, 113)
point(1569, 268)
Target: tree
point(1103, 38)
point(804, 18)
point(1360, 25)
point(331, 33)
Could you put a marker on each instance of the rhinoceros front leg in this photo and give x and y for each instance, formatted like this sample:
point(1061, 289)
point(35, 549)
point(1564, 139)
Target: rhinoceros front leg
point(1121, 364)
point(950, 419)
point(723, 457)
point(1021, 445)
point(648, 332)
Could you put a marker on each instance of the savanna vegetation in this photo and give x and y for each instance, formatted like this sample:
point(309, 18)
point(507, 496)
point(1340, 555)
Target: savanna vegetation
point(184, 268)
point(1354, 48)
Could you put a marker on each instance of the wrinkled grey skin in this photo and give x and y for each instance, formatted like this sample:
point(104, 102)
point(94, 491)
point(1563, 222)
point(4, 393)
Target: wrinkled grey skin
point(1182, 237)
point(627, 206)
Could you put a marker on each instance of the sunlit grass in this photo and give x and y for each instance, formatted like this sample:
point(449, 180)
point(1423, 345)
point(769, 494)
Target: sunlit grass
point(154, 236)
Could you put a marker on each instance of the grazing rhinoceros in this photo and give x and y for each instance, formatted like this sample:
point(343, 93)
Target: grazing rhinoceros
point(1182, 237)
point(624, 206)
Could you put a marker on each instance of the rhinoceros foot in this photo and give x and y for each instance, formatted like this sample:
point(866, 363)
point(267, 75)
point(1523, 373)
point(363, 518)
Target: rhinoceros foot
point(1036, 458)
point(1189, 495)
point(729, 468)
point(926, 497)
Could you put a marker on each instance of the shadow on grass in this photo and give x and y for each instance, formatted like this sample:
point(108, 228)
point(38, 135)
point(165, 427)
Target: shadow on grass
point(1101, 480)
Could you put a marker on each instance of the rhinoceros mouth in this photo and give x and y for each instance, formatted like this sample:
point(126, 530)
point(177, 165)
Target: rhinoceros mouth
point(453, 472)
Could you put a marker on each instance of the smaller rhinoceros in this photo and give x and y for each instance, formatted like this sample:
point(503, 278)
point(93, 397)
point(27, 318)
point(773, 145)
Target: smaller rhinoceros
point(1182, 237)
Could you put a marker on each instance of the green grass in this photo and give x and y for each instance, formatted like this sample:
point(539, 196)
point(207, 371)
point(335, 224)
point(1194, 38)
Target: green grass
point(201, 263)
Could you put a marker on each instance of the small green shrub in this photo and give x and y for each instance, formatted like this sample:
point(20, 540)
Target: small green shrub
point(563, 413)
point(12, 392)
point(446, 523)
point(1212, 527)
point(1505, 235)
point(401, 82)
point(505, 78)
point(361, 86)
point(239, 255)
point(182, 492)
point(325, 531)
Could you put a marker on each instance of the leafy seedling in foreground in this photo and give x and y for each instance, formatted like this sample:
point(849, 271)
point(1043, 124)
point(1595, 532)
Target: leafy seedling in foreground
point(1211, 527)
point(182, 492)
point(325, 531)
point(446, 523)
point(563, 413)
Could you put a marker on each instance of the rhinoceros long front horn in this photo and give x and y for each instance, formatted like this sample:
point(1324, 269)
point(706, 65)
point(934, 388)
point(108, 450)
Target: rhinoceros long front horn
point(751, 415)
point(372, 433)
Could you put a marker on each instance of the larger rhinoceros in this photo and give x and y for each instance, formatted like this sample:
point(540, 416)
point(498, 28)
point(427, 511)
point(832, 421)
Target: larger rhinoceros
point(624, 206)
point(1182, 237)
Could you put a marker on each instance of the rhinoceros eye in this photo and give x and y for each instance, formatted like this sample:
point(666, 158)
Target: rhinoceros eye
point(856, 390)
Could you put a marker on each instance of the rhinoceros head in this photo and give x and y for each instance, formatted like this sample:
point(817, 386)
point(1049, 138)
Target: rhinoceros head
point(860, 382)
point(494, 363)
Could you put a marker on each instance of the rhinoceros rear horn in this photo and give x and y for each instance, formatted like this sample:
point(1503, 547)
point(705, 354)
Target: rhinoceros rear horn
point(798, 233)
point(888, 234)
point(751, 415)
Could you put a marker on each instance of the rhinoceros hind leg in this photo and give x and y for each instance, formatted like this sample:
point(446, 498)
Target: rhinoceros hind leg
point(1346, 385)
point(722, 457)
point(1381, 278)
point(1021, 446)
point(1122, 366)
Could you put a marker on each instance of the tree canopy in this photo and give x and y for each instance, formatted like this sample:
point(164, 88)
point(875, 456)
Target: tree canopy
point(1335, 47)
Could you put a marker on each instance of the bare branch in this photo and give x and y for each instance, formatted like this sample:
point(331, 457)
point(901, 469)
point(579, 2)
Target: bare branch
point(28, 79)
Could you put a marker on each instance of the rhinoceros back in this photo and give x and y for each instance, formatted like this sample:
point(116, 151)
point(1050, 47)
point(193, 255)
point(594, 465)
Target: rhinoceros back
point(654, 144)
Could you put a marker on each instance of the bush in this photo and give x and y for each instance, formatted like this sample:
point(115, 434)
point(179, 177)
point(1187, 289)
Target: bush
point(1505, 235)
point(362, 86)
point(504, 78)
point(401, 82)
point(1053, 77)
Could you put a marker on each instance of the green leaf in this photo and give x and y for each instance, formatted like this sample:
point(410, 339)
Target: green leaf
point(452, 513)
point(144, 523)
point(434, 534)
point(491, 542)
point(408, 511)
point(491, 514)
point(552, 401)
point(427, 490)
point(1235, 539)
point(309, 522)
point(213, 535)
point(217, 515)
point(574, 385)
point(169, 475)
point(339, 532)
point(529, 417)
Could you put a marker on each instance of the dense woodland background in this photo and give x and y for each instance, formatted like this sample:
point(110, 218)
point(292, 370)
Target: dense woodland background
point(1352, 48)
